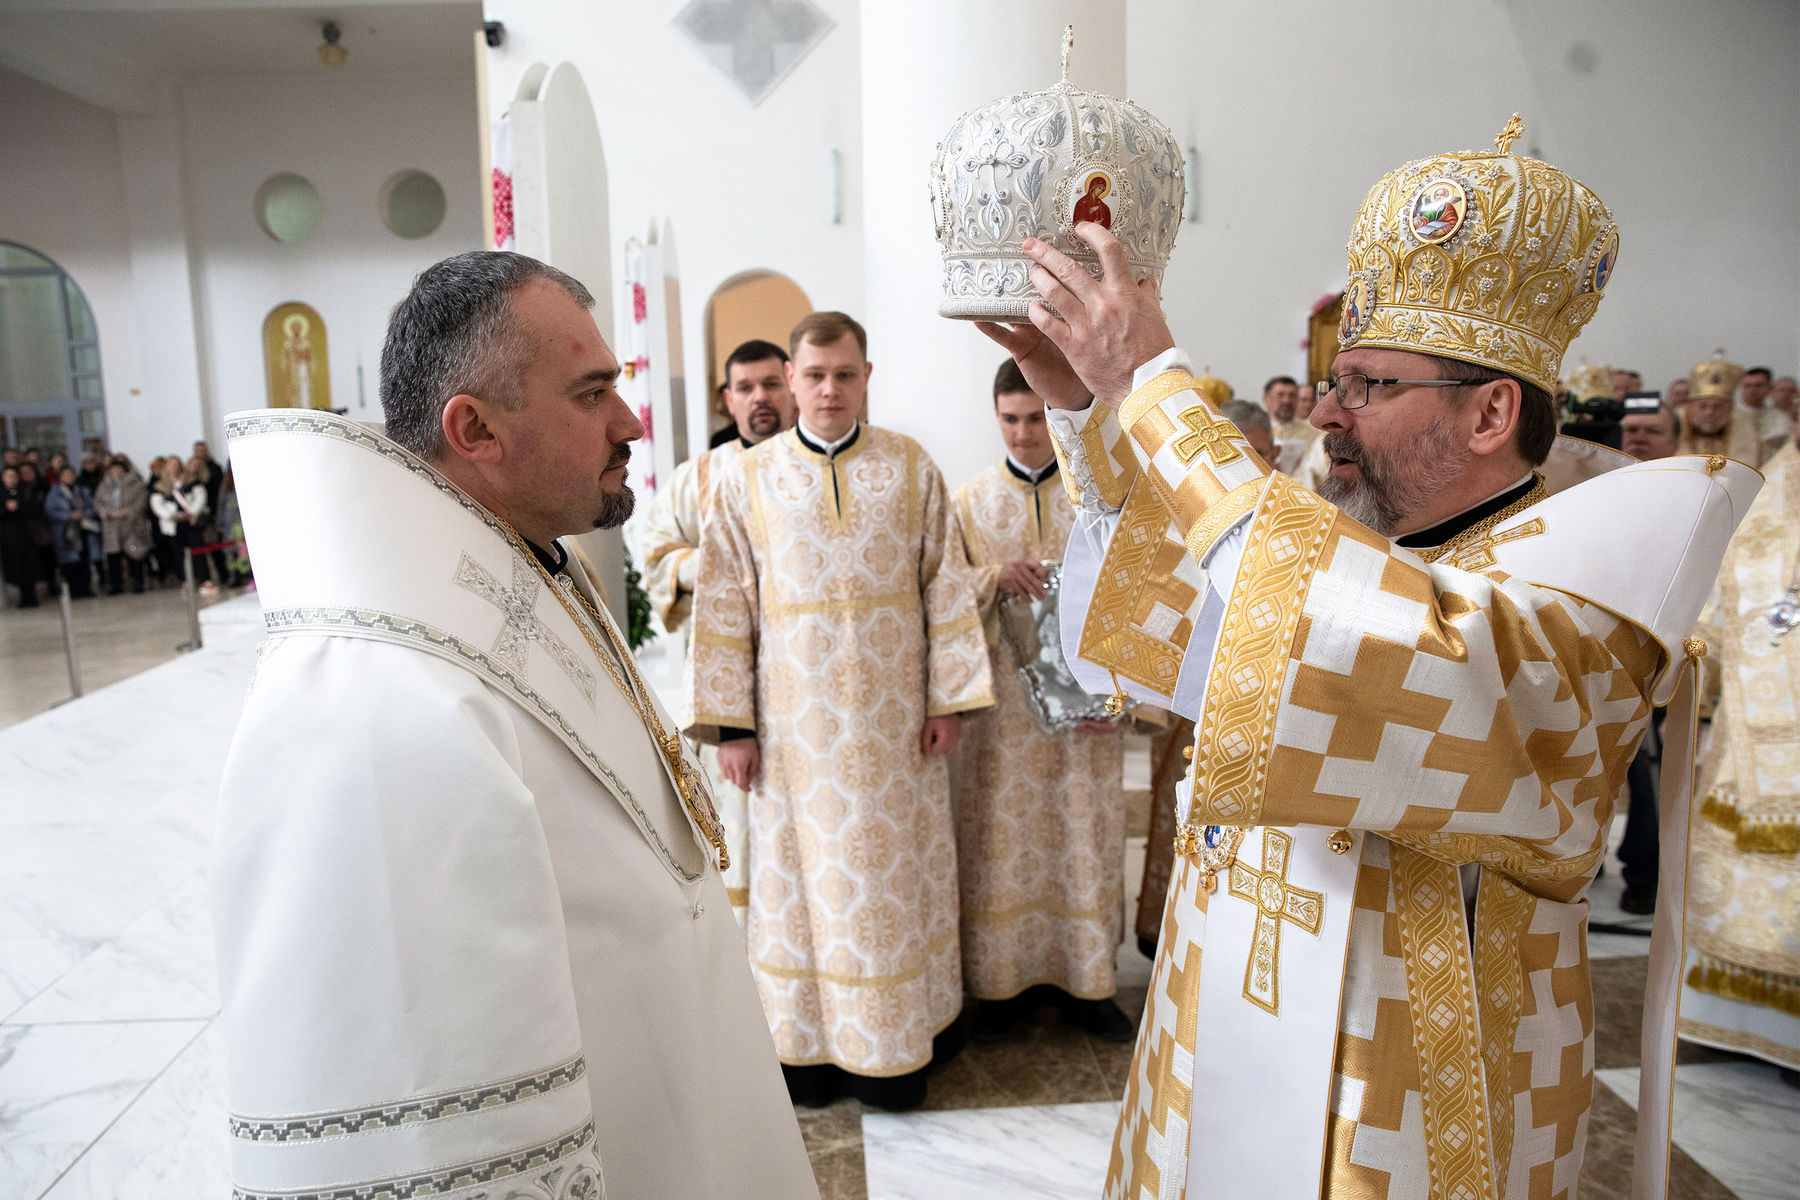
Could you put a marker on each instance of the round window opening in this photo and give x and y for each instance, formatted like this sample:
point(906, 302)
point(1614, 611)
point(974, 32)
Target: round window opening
point(288, 207)
point(412, 204)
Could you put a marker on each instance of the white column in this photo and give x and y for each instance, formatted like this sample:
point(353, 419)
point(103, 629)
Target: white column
point(923, 65)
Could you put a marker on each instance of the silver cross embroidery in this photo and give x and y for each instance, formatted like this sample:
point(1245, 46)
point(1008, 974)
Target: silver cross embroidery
point(518, 604)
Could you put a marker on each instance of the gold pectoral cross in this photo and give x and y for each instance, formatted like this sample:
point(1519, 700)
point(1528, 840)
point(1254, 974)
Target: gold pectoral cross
point(1276, 901)
point(1208, 435)
point(1477, 554)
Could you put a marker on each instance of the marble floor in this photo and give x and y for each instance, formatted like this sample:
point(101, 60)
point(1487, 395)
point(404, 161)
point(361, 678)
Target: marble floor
point(111, 1066)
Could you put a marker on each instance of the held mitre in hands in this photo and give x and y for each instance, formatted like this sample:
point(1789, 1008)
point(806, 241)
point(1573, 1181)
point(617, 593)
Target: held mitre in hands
point(1106, 328)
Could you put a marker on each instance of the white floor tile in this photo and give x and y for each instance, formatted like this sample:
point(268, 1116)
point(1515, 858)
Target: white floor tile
point(1039, 1152)
point(1736, 1119)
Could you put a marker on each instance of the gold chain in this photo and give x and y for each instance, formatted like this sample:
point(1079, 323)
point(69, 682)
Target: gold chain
point(694, 796)
point(1531, 497)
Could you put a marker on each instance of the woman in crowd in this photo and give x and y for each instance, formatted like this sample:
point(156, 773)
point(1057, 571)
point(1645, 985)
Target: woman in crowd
point(124, 525)
point(21, 513)
point(70, 509)
point(203, 529)
point(178, 502)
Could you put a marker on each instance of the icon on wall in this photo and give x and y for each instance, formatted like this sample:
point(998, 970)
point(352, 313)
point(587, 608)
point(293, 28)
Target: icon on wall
point(295, 356)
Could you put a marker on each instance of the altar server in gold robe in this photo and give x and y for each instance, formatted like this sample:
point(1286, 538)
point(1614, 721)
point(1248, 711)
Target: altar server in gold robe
point(837, 641)
point(1428, 674)
point(761, 405)
point(1040, 817)
point(1711, 424)
point(1743, 979)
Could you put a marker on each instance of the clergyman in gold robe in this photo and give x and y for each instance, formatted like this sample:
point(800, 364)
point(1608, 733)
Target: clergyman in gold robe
point(837, 641)
point(1743, 969)
point(1040, 817)
point(761, 405)
point(1712, 424)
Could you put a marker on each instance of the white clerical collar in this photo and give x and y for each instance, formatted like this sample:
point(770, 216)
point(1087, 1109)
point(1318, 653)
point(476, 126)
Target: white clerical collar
point(827, 448)
point(1026, 473)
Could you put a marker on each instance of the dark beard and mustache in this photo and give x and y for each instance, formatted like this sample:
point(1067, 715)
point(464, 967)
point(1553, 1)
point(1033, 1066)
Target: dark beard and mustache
point(615, 507)
point(1395, 483)
point(764, 421)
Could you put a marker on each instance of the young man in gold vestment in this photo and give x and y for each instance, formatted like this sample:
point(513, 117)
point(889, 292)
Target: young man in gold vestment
point(761, 405)
point(1040, 818)
point(837, 641)
point(1416, 693)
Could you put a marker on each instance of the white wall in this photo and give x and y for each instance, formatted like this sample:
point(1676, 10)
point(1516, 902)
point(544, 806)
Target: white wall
point(61, 193)
point(347, 136)
point(741, 187)
point(1685, 128)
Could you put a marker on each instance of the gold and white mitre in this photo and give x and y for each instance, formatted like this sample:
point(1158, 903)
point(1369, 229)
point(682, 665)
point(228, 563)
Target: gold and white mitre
point(1715, 377)
point(1483, 256)
point(1590, 381)
point(1032, 166)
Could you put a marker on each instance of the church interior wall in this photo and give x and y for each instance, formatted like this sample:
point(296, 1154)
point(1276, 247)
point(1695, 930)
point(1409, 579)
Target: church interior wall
point(348, 137)
point(63, 195)
point(743, 187)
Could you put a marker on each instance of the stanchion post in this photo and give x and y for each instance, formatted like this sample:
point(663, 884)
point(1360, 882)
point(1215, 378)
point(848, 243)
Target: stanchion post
point(68, 624)
point(193, 599)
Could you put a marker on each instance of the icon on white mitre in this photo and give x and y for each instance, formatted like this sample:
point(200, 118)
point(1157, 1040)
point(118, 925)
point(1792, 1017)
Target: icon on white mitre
point(1035, 165)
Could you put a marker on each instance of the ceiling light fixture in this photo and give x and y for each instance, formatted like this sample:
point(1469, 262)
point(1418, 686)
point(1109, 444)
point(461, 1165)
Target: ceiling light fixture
point(331, 51)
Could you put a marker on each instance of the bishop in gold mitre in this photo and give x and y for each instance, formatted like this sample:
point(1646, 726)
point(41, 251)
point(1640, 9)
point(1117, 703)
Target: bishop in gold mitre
point(1416, 692)
point(1711, 424)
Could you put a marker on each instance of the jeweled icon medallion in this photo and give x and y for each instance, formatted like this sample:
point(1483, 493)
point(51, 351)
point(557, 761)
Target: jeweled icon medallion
point(1359, 305)
point(1604, 261)
point(1437, 210)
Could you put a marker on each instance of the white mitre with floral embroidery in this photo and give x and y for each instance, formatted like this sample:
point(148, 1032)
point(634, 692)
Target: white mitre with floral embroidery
point(470, 943)
point(1032, 166)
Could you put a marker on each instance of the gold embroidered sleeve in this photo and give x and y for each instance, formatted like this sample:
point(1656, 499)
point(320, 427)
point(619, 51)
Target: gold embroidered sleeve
point(722, 666)
point(1096, 460)
point(957, 675)
point(671, 536)
point(1192, 457)
point(1469, 717)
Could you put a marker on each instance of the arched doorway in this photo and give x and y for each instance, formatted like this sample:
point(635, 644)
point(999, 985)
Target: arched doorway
point(296, 357)
point(50, 394)
point(752, 304)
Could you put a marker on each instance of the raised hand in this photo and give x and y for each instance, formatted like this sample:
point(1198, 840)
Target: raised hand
point(1042, 364)
point(1106, 328)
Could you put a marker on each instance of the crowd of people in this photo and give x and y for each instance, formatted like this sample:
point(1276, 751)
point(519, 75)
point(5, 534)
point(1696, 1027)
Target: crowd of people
point(106, 527)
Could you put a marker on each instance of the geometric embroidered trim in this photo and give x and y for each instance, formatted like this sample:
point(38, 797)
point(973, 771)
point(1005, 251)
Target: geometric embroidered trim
point(582, 1183)
point(314, 1126)
point(390, 627)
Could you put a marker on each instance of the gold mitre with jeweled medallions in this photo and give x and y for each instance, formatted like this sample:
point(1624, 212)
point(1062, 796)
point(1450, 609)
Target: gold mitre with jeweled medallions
point(1481, 255)
point(1033, 166)
point(1590, 381)
point(1717, 376)
point(1217, 392)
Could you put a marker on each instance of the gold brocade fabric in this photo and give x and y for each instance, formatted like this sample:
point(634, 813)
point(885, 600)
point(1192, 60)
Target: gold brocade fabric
point(1459, 718)
point(835, 612)
point(1750, 437)
point(671, 534)
point(1166, 769)
point(1040, 820)
point(1744, 867)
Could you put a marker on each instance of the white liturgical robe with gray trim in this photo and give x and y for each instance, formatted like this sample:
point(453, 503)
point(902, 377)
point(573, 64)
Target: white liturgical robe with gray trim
point(470, 942)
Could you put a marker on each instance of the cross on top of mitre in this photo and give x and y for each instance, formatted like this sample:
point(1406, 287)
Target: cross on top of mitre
point(756, 43)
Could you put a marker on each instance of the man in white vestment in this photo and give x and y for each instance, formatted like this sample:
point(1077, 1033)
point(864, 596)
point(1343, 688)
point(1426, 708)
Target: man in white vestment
point(1294, 433)
point(837, 641)
point(1415, 697)
point(1040, 817)
point(472, 936)
point(761, 405)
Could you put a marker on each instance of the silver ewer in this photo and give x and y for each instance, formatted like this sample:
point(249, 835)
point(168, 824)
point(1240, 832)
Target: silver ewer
point(1032, 633)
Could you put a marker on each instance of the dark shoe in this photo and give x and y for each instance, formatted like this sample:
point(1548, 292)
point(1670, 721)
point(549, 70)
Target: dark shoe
point(899, 1093)
point(1105, 1020)
point(814, 1086)
point(948, 1044)
point(1638, 900)
point(1147, 948)
point(995, 1021)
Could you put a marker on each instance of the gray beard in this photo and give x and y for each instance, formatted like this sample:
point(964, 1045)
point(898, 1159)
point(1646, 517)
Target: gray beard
point(615, 508)
point(1395, 484)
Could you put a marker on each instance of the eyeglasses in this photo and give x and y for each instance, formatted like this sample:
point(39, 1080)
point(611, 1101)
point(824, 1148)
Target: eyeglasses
point(1353, 390)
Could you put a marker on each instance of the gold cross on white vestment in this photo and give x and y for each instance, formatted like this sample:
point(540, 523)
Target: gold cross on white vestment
point(518, 604)
point(1276, 901)
point(1206, 435)
point(1477, 554)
